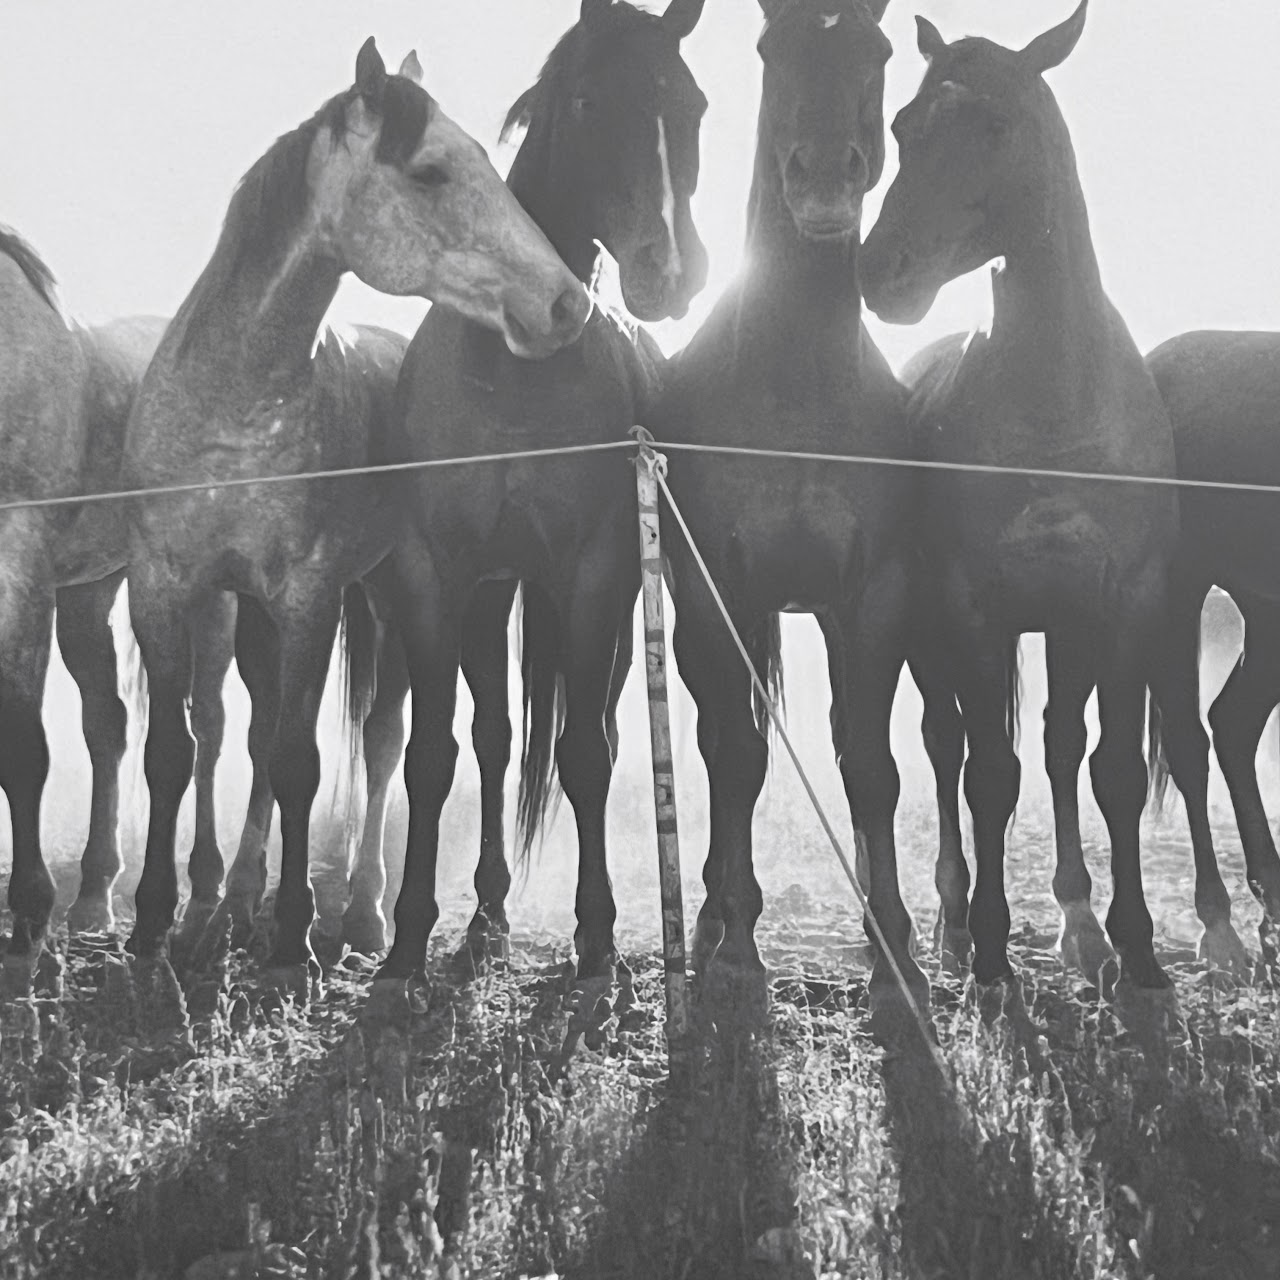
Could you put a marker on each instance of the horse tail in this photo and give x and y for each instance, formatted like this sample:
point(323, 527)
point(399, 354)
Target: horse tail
point(1157, 758)
point(1013, 692)
point(131, 687)
point(539, 791)
point(358, 635)
point(769, 669)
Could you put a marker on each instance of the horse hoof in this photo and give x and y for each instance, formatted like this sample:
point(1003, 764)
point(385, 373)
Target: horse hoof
point(734, 994)
point(91, 914)
point(364, 932)
point(589, 1003)
point(18, 974)
point(1082, 944)
point(955, 951)
point(1222, 949)
point(300, 980)
point(160, 1003)
point(708, 934)
point(487, 946)
point(242, 909)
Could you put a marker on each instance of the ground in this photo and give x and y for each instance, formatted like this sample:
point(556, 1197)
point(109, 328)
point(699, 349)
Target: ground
point(251, 1137)
point(283, 1140)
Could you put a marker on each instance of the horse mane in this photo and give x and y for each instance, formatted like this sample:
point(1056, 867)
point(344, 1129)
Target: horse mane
point(270, 201)
point(616, 22)
point(32, 265)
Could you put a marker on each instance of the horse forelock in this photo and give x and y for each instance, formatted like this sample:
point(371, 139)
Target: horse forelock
point(603, 34)
point(38, 272)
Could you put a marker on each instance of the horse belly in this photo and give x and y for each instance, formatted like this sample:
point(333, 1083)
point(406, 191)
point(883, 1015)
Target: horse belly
point(1051, 563)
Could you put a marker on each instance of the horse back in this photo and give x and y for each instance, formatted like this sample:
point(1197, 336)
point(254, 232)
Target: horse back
point(1222, 392)
point(42, 374)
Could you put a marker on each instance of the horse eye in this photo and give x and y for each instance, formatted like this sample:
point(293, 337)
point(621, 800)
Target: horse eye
point(430, 175)
point(581, 106)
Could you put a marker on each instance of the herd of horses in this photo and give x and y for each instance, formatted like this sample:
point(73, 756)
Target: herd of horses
point(941, 567)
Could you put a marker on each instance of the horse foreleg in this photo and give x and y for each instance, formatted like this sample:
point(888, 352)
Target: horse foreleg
point(257, 650)
point(429, 616)
point(992, 776)
point(160, 625)
point(1119, 775)
point(26, 627)
point(873, 653)
point(730, 973)
point(88, 649)
point(484, 664)
point(307, 622)
point(213, 635)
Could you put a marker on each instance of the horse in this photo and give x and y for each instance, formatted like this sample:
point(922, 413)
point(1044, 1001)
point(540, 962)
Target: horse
point(65, 394)
point(610, 157)
point(785, 361)
point(987, 170)
point(247, 382)
point(1220, 389)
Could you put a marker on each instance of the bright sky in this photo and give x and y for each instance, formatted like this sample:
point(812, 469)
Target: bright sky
point(124, 126)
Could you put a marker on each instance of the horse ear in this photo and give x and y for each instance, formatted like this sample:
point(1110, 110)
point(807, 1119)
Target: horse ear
point(681, 16)
point(520, 114)
point(928, 39)
point(592, 8)
point(1048, 50)
point(411, 68)
point(371, 73)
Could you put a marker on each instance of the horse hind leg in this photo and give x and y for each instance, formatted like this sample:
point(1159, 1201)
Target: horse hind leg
point(26, 627)
point(1238, 717)
point(942, 728)
point(1175, 687)
point(484, 665)
point(213, 638)
point(1071, 666)
point(257, 652)
point(364, 926)
point(88, 649)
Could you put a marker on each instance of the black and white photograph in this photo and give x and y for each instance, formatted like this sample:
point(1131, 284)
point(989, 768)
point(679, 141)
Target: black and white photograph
point(639, 640)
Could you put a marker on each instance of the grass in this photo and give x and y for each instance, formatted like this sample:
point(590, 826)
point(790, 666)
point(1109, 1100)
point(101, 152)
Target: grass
point(273, 1141)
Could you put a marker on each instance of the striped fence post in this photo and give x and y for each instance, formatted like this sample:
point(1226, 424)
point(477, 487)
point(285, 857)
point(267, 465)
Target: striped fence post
point(648, 465)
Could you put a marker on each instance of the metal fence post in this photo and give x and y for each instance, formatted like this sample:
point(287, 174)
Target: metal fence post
point(648, 465)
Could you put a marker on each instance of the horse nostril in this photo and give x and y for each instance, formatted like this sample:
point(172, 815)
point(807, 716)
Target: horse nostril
point(799, 161)
point(570, 309)
point(857, 164)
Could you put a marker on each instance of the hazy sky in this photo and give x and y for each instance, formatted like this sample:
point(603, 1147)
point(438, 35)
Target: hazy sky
point(125, 124)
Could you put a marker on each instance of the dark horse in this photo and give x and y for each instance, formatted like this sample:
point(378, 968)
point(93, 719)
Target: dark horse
point(65, 395)
point(382, 183)
point(783, 362)
point(1221, 391)
point(988, 170)
point(611, 156)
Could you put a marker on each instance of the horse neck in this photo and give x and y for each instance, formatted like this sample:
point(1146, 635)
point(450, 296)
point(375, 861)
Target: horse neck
point(800, 308)
point(553, 200)
point(1051, 316)
point(258, 322)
